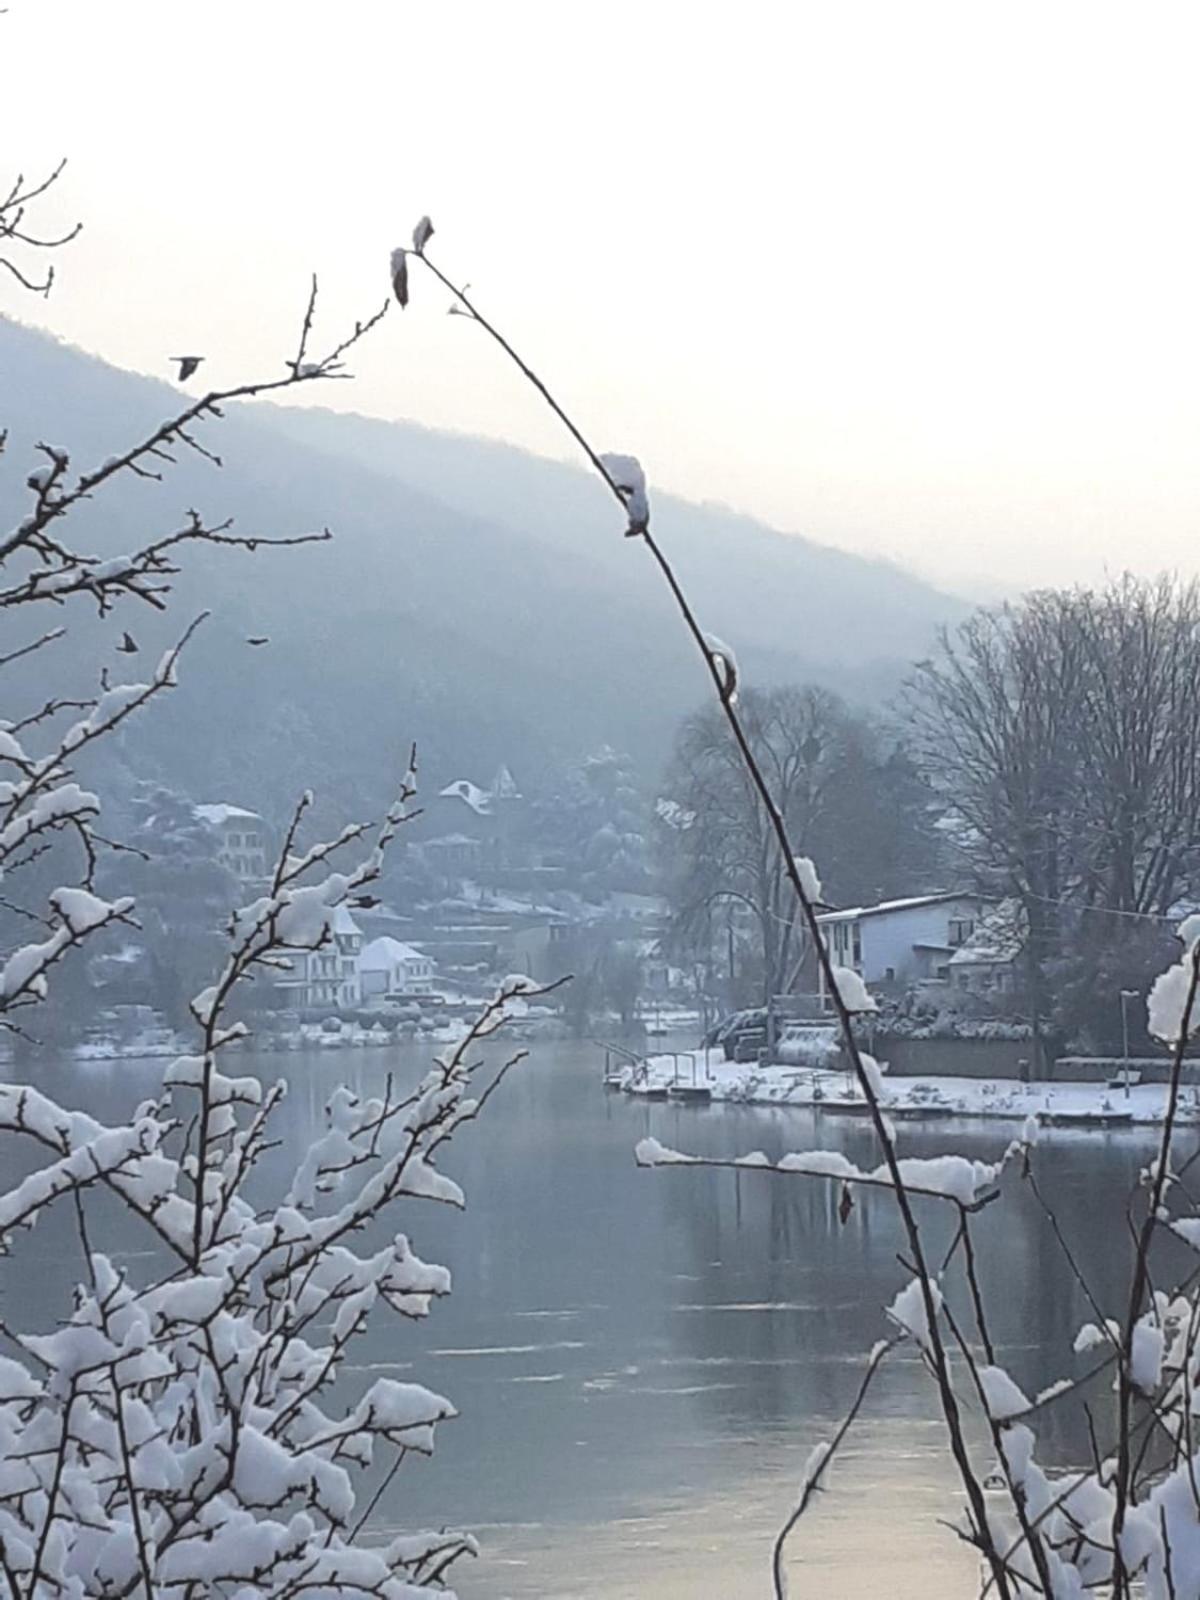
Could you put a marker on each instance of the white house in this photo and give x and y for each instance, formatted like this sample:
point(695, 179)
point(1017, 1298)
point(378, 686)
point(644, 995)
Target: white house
point(387, 967)
point(241, 841)
point(902, 941)
point(328, 976)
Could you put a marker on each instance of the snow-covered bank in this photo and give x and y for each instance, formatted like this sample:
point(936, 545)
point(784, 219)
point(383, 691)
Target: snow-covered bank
point(689, 1073)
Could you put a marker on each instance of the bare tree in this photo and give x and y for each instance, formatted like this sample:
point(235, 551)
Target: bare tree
point(859, 809)
point(1065, 733)
point(727, 858)
point(1139, 757)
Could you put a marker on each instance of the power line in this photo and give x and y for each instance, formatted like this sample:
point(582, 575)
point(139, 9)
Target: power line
point(1108, 911)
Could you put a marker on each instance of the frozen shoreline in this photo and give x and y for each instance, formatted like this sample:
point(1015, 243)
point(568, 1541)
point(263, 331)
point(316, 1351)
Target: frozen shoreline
point(689, 1076)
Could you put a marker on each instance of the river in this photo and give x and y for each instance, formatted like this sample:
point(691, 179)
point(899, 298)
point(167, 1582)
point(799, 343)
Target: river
point(643, 1359)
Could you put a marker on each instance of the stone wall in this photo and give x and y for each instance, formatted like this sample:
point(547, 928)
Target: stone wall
point(956, 1058)
point(1010, 1058)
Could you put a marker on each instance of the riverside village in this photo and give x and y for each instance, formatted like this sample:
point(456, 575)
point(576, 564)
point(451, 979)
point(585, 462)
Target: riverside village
point(599, 801)
point(593, 879)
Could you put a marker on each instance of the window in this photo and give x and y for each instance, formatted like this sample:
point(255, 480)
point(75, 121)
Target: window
point(961, 929)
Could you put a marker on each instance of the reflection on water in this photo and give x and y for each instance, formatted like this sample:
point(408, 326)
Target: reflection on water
point(644, 1359)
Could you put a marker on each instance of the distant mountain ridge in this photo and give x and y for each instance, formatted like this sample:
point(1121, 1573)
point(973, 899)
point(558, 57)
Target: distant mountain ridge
point(565, 506)
point(476, 598)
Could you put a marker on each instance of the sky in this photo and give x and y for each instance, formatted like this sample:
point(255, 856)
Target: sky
point(918, 280)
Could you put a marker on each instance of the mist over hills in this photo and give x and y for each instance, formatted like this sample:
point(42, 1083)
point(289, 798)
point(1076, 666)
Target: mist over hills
point(477, 599)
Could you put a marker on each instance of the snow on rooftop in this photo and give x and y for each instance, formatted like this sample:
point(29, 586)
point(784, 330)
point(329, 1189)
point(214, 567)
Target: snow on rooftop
point(479, 800)
point(218, 815)
point(343, 922)
point(386, 952)
point(889, 907)
point(504, 785)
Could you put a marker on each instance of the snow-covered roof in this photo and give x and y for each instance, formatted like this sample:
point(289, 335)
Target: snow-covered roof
point(890, 907)
point(504, 785)
point(343, 922)
point(218, 815)
point(386, 952)
point(463, 789)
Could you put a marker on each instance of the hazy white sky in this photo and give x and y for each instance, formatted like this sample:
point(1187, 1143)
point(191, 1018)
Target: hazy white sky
point(918, 278)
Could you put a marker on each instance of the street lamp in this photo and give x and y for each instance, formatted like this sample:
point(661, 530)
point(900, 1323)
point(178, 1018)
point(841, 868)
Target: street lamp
point(1126, 994)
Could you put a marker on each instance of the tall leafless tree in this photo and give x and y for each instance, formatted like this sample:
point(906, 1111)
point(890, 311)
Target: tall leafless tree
point(841, 795)
point(1065, 733)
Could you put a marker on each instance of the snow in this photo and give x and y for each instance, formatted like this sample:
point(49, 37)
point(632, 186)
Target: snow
point(517, 983)
point(673, 814)
point(1092, 1337)
point(23, 974)
point(908, 1310)
point(479, 800)
point(810, 883)
point(953, 1177)
point(885, 907)
point(219, 815)
point(627, 474)
point(342, 922)
point(83, 912)
point(873, 1073)
point(1053, 1390)
point(943, 1177)
point(726, 665)
point(1146, 1355)
point(817, 1457)
point(853, 990)
point(396, 1408)
point(1002, 1398)
point(384, 953)
point(46, 810)
point(819, 1164)
point(650, 1153)
point(820, 1088)
point(1169, 1001)
point(24, 971)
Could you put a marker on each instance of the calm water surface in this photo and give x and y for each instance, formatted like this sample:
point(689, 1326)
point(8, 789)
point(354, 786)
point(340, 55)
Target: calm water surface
point(644, 1359)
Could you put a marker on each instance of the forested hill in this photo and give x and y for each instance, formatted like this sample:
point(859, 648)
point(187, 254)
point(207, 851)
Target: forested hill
point(476, 598)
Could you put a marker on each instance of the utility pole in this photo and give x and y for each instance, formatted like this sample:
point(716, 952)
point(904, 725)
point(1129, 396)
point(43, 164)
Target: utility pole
point(1126, 994)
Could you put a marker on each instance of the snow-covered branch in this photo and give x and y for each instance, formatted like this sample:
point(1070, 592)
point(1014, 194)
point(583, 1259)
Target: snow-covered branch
point(192, 1428)
point(1130, 1522)
point(183, 1432)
